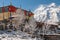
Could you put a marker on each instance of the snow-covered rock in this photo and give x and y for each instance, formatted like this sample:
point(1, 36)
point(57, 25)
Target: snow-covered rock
point(49, 13)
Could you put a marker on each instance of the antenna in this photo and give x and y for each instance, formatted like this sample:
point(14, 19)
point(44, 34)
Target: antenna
point(3, 3)
point(20, 3)
point(10, 2)
point(29, 10)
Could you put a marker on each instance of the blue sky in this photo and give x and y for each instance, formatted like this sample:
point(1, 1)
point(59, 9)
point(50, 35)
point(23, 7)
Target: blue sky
point(29, 4)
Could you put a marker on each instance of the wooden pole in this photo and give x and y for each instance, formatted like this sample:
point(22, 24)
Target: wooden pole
point(10, 5)
point(3, 9)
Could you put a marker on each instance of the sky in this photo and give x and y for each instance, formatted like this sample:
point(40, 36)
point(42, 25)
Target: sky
point(28, 4)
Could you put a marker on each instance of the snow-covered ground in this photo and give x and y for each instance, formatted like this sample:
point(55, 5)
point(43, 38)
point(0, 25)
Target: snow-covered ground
point(15, 35)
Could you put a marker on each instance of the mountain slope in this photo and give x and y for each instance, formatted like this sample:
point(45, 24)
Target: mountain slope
point(49, 13)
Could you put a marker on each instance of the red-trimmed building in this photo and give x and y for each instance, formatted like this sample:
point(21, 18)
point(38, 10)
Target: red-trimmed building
point(7, 11)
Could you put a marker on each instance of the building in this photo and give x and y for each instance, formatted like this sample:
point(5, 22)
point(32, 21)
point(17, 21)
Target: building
point(7, 11)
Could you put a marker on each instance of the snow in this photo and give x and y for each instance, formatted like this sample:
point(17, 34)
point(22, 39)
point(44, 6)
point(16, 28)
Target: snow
point(52, 5)
point(15, 35)
point(47, 13)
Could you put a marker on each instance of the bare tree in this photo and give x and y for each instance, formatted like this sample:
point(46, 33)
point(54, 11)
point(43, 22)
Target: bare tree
point(19, 18)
